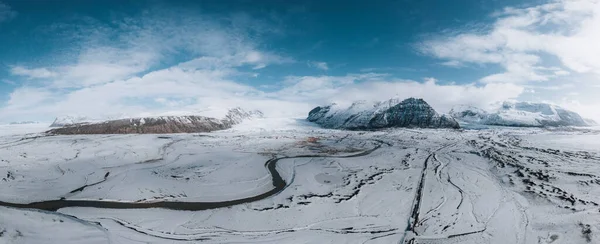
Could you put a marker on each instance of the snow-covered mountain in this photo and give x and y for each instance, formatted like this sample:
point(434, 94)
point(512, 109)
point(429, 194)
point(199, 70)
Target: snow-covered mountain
point(70, 120)
point(160, 124)
point(237, 115)
point(521, 114)
point(411, 112)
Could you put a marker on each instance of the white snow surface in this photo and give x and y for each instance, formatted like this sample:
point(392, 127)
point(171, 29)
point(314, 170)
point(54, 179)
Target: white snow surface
point(22, 129)
point(419, 186)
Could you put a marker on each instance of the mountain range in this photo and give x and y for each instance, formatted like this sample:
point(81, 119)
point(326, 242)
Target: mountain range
point(154, 125)
point(362, 115)
point(520, 114)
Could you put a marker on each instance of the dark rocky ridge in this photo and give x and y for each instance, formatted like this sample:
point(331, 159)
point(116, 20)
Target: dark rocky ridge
point(411, 112)
point(159, 125)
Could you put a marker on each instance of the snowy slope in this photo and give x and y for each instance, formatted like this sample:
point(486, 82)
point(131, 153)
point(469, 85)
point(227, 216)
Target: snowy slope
point(521, 114)
point(410, 112)
point(590, 122)
point(70, 120)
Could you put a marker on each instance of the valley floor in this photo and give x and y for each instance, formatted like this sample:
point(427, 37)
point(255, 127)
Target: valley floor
point(392, 186)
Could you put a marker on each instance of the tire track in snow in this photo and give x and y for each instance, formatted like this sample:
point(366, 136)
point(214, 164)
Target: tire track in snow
point(413, 221)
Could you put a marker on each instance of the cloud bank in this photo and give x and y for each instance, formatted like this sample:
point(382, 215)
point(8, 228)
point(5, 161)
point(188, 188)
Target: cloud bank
point(519, 39)
point(169, 62)
point(553, 43)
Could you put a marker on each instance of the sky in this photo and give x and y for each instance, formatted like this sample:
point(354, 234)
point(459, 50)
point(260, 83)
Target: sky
point(109, 59)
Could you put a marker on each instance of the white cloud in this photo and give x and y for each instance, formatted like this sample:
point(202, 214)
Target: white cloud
point(519, 39)
point(32, 73)
point(129, 96)
point(322, 90)
point(6, 12)
point(113, 69)
point(26, 98)
point(441, 97)
point(180, 89)
point(315, 88)
point(318, 65)
point(452, 63)
point(10, 82)
point(132, 46)
point(588, 111)
point(552, 45)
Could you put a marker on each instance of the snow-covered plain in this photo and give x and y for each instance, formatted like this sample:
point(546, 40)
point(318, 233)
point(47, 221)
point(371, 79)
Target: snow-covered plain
point(496, 185)
point(21, 129)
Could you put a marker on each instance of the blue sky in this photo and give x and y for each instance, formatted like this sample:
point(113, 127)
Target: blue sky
point(136, 58)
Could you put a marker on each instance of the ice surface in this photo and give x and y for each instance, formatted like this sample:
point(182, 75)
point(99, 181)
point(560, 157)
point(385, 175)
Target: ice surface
point(418, 186)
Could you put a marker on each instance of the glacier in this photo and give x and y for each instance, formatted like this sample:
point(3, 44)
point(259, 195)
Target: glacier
point(394, 185)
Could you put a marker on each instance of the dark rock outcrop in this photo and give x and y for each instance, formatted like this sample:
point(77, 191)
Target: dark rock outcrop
point(411, 112)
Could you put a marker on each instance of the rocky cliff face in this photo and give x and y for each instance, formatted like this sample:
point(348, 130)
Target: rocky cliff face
point(520, 114)
point(158, 125)
point(361, 115)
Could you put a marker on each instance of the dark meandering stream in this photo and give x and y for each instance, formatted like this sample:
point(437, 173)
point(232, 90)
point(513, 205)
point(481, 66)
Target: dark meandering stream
point(278, 185)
